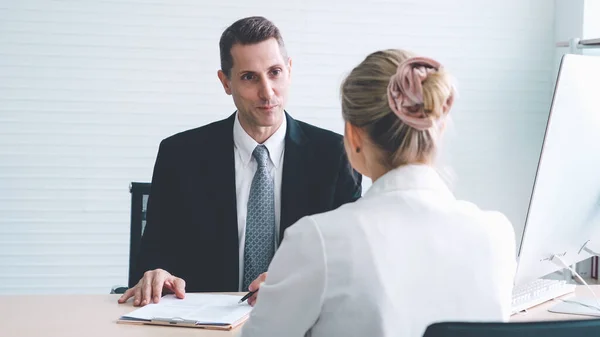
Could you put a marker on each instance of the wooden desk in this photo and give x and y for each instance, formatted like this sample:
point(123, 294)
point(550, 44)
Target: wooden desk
point(96, 315)
point(81, 316)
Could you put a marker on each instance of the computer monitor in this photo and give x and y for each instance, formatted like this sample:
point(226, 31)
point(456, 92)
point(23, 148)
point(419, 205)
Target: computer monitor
point(563, 218)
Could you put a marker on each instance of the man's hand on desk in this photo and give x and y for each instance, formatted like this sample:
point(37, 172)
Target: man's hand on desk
point(255, 285)
point(151, 287)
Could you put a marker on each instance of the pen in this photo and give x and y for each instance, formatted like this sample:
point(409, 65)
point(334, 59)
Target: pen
point(247, 296)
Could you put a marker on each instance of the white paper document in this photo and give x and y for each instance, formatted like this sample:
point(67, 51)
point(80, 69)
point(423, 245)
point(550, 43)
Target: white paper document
point(196, 308)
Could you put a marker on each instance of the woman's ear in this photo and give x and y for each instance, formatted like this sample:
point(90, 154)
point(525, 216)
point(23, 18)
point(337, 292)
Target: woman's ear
point(354, 141)
point(354, 136)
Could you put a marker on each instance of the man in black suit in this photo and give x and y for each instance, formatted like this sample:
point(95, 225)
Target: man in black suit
point(223, 194)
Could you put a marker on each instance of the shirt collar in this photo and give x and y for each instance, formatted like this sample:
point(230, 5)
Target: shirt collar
point(246, 144)
point(410, 177)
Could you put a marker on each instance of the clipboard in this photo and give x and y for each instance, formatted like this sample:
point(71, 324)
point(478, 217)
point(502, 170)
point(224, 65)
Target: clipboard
point(180, 322)
point(197, 310)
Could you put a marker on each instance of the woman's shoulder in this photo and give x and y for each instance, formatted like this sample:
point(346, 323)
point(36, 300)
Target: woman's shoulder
point(492, 221)
point(488, 215)
point(328, 221)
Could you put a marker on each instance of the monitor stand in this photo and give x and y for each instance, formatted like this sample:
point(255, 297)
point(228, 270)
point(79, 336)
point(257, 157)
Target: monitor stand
point(577, 305)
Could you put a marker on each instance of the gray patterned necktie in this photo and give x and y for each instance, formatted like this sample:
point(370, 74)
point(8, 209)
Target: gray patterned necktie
point(259, 245)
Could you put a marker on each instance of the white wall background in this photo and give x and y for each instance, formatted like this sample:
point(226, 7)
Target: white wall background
point(591, 25)
point(576, 19)
point(568, 23)
point(591, 20)
point(89, 88)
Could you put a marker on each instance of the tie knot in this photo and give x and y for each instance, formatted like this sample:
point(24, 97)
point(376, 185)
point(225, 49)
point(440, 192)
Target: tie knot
point(261, 154)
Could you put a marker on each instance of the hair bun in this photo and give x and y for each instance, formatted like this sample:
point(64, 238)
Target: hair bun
point(405, 91)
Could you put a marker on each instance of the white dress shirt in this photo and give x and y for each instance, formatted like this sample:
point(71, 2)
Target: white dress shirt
point(404, 256)
point(245, 167)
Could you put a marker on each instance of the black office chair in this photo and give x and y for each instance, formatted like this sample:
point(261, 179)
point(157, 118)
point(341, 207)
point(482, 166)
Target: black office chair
point(139, 202)
point(571, 328)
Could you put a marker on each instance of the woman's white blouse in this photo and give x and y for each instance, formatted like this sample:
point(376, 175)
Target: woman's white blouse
point(405, 255)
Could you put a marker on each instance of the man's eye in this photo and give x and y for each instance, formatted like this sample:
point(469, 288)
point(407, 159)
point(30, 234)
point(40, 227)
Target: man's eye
point(276, 72)
point(248, 77)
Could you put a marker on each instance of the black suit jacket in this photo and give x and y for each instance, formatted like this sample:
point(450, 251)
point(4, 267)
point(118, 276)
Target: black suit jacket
point(192, 229)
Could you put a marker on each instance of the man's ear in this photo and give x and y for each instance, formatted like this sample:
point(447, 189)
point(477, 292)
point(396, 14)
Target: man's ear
point(224, 81)
point(290, 67)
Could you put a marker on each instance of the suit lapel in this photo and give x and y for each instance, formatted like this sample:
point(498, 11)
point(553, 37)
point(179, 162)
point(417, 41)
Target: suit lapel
point(223, 176)
point(295, 177)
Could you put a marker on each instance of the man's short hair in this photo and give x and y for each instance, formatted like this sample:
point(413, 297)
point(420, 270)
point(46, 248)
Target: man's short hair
point(247, 31)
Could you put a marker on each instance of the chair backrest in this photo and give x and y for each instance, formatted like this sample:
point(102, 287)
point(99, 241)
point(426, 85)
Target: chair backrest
point(139, 201)
point(570, 328)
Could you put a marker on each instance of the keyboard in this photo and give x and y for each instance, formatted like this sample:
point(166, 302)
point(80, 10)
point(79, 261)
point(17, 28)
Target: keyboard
point(537, 292)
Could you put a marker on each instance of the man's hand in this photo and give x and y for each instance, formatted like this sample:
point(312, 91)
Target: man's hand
point(255, 285)
point(151, 287)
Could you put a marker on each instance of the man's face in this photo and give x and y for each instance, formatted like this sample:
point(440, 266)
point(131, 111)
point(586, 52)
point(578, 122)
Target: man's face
point(259, 83)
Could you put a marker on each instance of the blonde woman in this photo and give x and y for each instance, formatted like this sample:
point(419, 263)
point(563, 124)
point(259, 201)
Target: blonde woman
point(408, 253)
